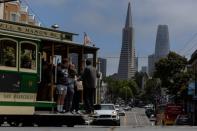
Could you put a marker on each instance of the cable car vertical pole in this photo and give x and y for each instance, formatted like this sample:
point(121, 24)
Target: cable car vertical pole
point(82, 69)
point(52, 75)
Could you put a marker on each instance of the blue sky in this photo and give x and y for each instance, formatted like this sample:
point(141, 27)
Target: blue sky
point(103, 21)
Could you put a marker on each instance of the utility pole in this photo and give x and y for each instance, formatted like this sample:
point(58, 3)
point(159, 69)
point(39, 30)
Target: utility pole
point(99, 85)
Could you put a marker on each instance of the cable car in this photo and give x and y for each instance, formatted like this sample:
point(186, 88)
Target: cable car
point(28, 58)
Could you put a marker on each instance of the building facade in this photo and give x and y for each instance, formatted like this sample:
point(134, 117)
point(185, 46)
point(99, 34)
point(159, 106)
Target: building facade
point(144, 69)
point(136, 63)
point(103, 66)
point(1, 10)
point(16, 12)
point(151, 65)
point(192, 103)
point(127, 62)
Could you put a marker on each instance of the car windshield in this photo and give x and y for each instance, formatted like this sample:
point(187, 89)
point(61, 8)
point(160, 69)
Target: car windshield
point(183, 117)
point(117, 106)
point(104, 107)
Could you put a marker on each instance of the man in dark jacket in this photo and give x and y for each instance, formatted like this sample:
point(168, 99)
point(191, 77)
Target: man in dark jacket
point(89, 86)
point(62, 83)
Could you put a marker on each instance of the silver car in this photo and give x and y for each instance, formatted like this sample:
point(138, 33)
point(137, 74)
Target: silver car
point(105, 114)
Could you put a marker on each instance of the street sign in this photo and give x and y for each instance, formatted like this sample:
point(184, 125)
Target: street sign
point(191, 88)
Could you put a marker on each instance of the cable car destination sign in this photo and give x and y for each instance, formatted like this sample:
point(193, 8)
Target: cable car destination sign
point(38, 32)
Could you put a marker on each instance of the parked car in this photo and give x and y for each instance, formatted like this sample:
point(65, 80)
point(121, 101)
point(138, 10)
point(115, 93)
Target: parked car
point(121, 112)
point(183, 120)
point(117, 107)
point(149, 112)
point(105, 114)
point(152, 118)
point(140, 104)
point(127, 108)
point(148, 106)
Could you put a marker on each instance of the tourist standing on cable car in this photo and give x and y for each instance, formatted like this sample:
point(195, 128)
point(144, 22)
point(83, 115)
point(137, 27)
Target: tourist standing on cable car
point(89, 86)
point(62, 83)
point(70, 88)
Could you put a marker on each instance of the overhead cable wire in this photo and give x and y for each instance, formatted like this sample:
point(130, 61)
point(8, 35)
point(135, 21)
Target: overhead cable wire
point(190, 49)
point(42, 22)
point(189, 41)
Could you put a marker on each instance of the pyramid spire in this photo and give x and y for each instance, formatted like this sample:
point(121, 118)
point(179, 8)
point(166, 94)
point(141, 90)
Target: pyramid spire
point(128, 62)
point(128, 22)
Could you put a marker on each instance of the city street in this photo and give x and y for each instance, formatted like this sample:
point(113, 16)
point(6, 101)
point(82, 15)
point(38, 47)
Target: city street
point(90, 65)
point(135, 118)
point(85, 128)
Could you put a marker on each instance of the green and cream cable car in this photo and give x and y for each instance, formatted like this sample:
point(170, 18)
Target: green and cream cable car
point(26, 91)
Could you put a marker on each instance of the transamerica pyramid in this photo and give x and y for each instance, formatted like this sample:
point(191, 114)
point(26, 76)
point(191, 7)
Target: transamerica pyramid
point(127, 62)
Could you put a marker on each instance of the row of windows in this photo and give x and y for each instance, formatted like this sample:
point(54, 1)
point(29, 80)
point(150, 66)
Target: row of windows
point(14, 56)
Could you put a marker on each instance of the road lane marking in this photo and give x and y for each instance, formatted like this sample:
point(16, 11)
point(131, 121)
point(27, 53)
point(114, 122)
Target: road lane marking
point(126, 119)
point(134, 113)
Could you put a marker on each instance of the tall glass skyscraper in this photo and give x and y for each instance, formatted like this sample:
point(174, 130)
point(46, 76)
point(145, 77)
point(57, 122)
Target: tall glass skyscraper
point(127, 63)
point(151, 64)
point(162, 46)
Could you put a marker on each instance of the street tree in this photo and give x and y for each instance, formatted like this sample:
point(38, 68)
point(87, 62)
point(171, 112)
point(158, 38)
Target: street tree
point(171, 71)
point(152, 90)
point(121, 88)
point(138, 78)
point(126, 93)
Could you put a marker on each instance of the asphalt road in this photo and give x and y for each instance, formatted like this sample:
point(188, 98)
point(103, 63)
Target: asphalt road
point(172, 128)
point(136, 118)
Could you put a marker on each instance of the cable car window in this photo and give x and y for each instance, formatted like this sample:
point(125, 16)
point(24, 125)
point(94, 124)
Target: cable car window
point(8, 53)
point(28, 56)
